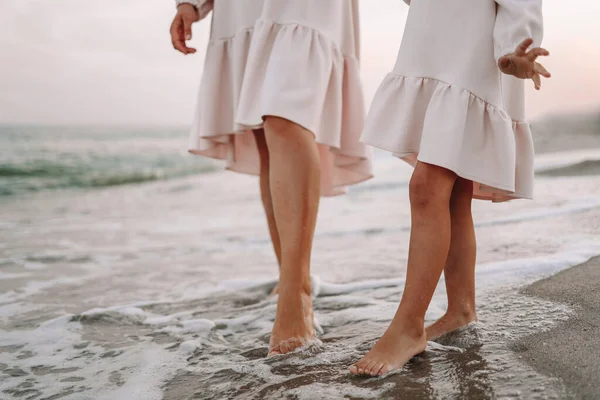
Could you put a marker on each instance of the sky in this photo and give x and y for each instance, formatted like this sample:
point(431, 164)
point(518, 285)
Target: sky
point(111, 61)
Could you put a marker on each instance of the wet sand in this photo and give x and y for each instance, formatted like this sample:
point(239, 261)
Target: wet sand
point(571, 350)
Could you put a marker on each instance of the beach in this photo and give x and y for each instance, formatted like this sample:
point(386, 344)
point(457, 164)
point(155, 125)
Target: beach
point(158, 286)
point(570, 350)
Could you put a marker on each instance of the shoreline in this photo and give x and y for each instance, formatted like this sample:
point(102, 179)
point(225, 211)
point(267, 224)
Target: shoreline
point(570, 351)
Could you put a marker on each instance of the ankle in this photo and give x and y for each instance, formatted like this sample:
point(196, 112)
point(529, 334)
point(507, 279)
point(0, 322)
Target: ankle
point(295, 284)
point(464, 312)
point(409, 325)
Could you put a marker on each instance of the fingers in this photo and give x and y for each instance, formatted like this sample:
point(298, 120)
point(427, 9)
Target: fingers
point(533, 54)
point(178, 36)
point(537, 81)
point(522, 48)
point(540, 69)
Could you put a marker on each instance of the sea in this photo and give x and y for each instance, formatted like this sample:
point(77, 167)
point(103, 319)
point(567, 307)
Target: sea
point(130, 269)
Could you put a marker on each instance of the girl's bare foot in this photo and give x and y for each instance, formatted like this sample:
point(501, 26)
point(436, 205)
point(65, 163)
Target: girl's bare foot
point(395, 348)
point(448, 323)
point(294, 322)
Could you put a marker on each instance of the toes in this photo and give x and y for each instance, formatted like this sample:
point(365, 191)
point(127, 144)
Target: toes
point(358, 368)
point(294, 344)
point(273, 353)
point(361, 367)
point(377, 369)
point(285, 347)
point(369, 366)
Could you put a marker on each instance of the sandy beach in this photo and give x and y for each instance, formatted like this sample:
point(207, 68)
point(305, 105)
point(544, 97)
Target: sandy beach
point(159, 289)
point(569, 351)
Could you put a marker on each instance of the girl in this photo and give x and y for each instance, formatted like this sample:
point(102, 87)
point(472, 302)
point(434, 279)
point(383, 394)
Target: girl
point(448, 110)
point(281, 97)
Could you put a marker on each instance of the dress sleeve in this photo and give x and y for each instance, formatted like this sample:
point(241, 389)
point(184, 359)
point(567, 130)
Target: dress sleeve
point(517, 20)
point(204, 7)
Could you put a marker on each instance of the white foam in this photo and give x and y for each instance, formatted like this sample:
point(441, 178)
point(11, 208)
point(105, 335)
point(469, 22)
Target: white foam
point(8, 275)
point(335, 289)
point(145, 366)
point(191, 326)
point(316, 391)
point(34, 287)
point(126, 311)
point(434, 346)
point(152, 368)
point(189, 346)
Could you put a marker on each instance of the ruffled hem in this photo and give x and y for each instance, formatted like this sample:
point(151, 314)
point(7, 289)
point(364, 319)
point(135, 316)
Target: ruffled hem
point(438, 123)
point(315, 86)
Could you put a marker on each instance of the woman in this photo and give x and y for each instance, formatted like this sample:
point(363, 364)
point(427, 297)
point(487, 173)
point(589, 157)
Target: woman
point(281, 98)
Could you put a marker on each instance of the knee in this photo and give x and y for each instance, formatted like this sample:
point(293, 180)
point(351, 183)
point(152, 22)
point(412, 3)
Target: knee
point(420, 191)
point(430, 186)
point(278, 128)
point(280, 132)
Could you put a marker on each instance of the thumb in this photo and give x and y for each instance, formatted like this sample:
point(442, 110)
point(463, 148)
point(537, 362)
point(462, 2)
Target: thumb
point(504, 62)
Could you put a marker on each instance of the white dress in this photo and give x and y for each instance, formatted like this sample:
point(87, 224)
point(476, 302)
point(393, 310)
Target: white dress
point(446, 102)
point(296, 59)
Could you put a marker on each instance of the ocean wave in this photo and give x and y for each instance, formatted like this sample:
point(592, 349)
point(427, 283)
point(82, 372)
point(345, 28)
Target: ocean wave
point(39, 159)
point(40, 169)
point(583, 168)
point(16, 179)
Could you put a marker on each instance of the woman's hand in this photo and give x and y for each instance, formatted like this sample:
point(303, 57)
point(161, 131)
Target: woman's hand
point(522, 63)
point(181, 28)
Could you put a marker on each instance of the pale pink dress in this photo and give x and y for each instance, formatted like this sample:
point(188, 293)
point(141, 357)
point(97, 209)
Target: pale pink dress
point(296, 59)
point(446, 102)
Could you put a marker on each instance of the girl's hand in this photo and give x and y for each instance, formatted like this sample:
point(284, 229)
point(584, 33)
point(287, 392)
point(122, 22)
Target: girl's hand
point(522, 63)
point(181, 28)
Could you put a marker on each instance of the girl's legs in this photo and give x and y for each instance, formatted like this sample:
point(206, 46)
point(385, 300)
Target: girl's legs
point(295, 181)
point(459, 272)
point(430, 192)
point(265, 194)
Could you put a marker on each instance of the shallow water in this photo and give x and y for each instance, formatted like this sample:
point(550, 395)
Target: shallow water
point(145, 292)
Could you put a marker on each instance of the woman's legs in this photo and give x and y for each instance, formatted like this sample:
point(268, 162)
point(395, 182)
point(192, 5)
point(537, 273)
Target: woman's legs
point(459, 272)
point(430, 192)
point(295, 181)
point(265, 194)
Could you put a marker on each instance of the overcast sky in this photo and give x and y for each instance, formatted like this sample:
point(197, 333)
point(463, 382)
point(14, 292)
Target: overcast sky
point(111, 61)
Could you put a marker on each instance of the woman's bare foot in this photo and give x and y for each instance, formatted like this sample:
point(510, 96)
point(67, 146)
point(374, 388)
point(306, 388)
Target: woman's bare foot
point(448, 323)
point(294, 321)
point(395, 348)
